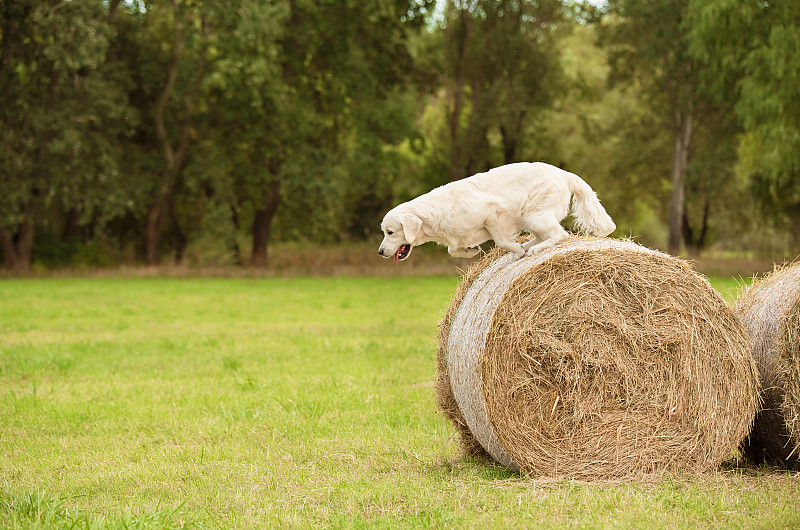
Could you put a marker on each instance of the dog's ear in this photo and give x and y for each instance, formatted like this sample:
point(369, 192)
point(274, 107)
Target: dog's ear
point(412, 226)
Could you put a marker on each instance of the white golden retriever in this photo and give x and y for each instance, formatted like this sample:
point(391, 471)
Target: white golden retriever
point(498, 205)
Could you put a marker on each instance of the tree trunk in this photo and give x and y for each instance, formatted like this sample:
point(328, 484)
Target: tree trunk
point(683, 136)
point(72, 224)
point(173, 156)
point(9, 250)
point(113, 5)
point(262, 226)
point(181, 241)
point(17, 250)
point(701, 239)
point(696, 244)
point(237, 252)
point(152, 235)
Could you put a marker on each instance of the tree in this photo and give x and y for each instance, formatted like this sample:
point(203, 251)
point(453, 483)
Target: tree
point(649, 45)
point(168, 41)
point(499, 68)
point(247, 113)
point(647, 41)
point(62, 121)
point(312, 82)
point(751, 48)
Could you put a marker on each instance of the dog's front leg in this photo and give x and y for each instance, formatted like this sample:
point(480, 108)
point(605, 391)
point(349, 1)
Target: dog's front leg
point(463, 252)
point(503, 231)
point(509, 244)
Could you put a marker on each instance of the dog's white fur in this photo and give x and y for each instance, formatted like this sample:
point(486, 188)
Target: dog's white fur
point(498, 205)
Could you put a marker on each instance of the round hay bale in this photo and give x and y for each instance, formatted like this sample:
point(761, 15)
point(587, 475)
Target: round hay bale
point(770, 311)
point(597, 359)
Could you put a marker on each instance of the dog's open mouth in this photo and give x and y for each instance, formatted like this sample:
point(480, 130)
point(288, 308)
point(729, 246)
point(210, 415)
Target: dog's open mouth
point(402, 253)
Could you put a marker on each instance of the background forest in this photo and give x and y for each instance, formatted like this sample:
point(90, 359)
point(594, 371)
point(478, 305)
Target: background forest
point(184, 131)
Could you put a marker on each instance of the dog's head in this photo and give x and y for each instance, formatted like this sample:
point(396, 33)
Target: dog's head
point(400, 231)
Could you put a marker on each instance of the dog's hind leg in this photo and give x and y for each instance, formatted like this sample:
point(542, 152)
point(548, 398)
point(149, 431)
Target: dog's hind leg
point(547, 238)
point(547, 229)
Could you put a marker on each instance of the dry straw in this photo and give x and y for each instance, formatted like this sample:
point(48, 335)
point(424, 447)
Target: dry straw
point(595, 360)
point(770, 311)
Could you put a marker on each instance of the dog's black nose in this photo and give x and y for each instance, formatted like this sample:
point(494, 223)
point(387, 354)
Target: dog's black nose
point(380, 251)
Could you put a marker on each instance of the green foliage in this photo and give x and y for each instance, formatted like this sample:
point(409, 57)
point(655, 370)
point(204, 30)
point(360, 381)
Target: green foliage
point(679, 141)
point(321, 110)
point(751, 48)
point(53, 253)
point(65, 114)
point(130, 125)
point(500, 71)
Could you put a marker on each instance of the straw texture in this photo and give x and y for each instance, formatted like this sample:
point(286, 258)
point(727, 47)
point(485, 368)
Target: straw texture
point(596, 360)
point(770, 311)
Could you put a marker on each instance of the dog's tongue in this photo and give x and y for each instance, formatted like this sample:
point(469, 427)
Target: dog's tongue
point(403, 250)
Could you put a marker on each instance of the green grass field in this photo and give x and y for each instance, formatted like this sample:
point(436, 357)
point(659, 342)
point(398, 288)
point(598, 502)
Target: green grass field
point(246, 403)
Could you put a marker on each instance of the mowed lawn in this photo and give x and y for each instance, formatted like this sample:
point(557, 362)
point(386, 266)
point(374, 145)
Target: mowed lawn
point(247, 403)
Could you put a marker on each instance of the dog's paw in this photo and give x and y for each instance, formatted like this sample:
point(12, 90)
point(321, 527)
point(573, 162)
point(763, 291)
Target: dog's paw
point(517, 251)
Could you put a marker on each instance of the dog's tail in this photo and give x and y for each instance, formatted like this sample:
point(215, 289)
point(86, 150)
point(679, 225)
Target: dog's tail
point(589, 213)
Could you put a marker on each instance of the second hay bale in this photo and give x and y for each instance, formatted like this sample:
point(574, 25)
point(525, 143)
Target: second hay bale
point(596, 360)
point(770, 311)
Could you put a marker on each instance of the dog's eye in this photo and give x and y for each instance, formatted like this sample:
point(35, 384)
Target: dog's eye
point(389, 232)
